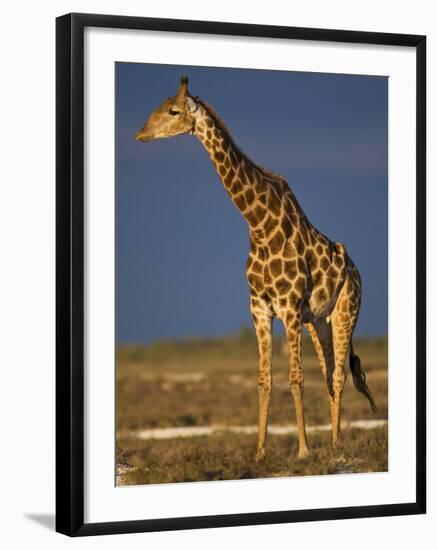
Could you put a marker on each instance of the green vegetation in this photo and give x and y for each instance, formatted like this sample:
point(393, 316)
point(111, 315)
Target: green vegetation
point(203, 382)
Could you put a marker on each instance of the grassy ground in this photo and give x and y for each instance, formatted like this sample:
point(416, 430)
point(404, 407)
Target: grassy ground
point(199, 383)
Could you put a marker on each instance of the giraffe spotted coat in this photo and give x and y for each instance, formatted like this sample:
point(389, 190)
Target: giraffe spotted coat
point(295, 273)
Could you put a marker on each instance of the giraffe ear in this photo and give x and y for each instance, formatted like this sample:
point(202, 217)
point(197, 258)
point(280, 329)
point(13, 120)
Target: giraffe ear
point(192, 105)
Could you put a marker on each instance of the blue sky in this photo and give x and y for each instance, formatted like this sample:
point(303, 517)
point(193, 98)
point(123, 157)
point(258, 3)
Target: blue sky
point(181, 244)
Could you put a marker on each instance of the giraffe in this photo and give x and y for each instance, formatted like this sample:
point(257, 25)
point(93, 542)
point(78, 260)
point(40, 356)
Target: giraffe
point(295, 273)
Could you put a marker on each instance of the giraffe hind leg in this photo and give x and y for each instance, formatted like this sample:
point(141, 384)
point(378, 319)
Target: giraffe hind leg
point(343, 319)
point(321, 358)
point(323, 329)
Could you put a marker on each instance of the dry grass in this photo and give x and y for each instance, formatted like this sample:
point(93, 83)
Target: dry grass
point(198, 383)
point(231, 456)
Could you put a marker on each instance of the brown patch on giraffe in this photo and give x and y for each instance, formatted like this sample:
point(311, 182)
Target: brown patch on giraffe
point(338, 260)
point(209, 122)
point(260, 213)
point(298, 243)
point(330, 286)
point(276, 267)
point(271, 291)
point(267, 275)
point(323, 240)
point(257, 267)
point(299, 285)
point(240, 201)
point(289, 250)
point(319, 249)
point(248, 169)
point(290, 268)
point(260, 187)
point(277, 242)
point(229, 178)
point(283, 285)
point(317, 278)
point(219, 156)
point(243, 175)
point(270, 224)
point(240, 157)
point(240, 173)
point(273, 203)
point(261, 252)
point(237, 187)
point(324, 263)
point(216, 143)
point(222, 170)
point(321, 295)
point(257, 235)
point(304, 234)
point(286, 227)
point(250, 196)
point(332, 272)
point(311, 259)
point(208, 134)
point(227, 163)
point(294, 219)
point(263, 198)
point(301, 265)
point(255, 282)
point(313, 237)
point(261, 332)
point(251, 218)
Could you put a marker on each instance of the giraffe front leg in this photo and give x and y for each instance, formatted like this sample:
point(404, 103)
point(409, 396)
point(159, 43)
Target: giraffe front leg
point(262, 319)
point(293, 328)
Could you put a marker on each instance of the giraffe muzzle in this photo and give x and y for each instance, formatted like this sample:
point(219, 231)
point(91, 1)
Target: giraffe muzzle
point(143, 136)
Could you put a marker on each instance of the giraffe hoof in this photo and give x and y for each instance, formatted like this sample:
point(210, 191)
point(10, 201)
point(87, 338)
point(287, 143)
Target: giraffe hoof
point(260, 455)
point(303, 453)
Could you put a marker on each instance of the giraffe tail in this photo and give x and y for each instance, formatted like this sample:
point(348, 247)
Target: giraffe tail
point(359, 377)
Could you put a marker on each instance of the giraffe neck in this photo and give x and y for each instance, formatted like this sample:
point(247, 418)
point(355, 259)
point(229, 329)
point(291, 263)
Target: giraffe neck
point(245, 183)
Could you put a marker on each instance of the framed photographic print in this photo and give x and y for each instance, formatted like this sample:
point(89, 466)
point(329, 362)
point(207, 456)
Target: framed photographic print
point(240, 274)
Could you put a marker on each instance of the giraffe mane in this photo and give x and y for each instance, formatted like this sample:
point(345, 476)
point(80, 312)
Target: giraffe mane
point(219, 121)
point(215, 116)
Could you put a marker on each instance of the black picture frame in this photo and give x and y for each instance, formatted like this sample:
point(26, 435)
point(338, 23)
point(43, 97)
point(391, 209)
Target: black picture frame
point(70, 273)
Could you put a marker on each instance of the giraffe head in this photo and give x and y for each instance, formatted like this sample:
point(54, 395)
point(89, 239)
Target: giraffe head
point(173, 117)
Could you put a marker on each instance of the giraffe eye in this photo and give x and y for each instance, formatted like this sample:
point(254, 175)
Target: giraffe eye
point(174, 112)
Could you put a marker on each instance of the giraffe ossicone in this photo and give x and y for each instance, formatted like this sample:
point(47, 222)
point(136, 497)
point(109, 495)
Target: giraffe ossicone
point(295, 273)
